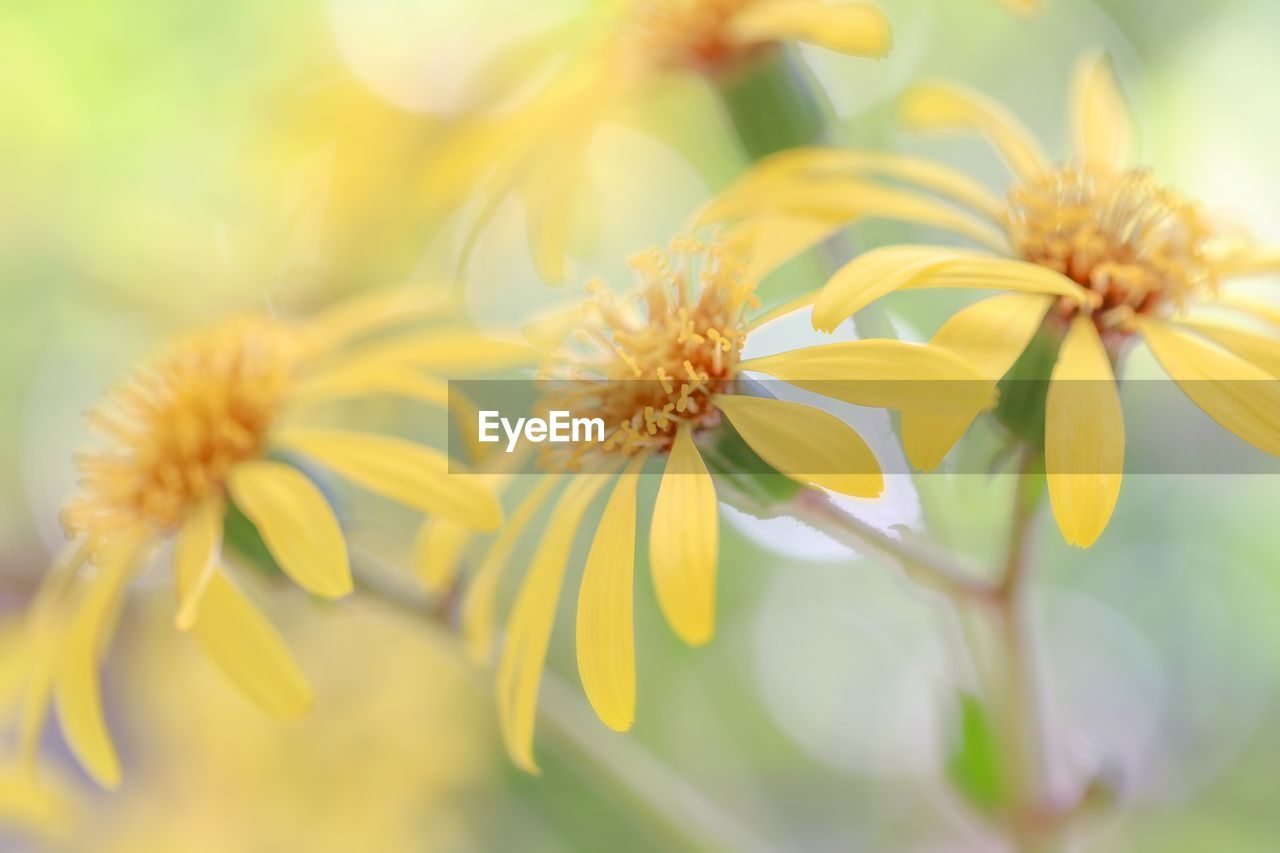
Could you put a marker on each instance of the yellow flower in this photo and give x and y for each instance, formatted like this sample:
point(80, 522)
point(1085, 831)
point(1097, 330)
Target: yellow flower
point(217, 422)
point(661, 369)
point(1095, 250)
point(537, 149)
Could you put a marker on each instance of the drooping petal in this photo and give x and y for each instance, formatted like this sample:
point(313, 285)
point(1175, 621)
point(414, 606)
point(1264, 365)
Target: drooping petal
point(883, 374)
point(1240, 260)
point(1084, 436)
point(549, 199)
point(684, 541)
point(857, 29)
point(1268, 312)
point(249, 652)
point(524, 649)
point(948, 106)
point(1104, 129)
point(989, 335)
point(1260, 350)
point(77, 690)
point(437, 552)
point(296, 523)
point(401, 470)
point(478, 610)
point(807, 444)
point(195, 557)
point(770, 240)
point(881, 271)
point(606, 632)
point(361, 379)
point(1240, 396)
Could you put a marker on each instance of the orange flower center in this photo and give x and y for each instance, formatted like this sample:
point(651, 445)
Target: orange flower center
point(687, 34)
point(175, 428)
point(1138, 245)
point(649, 362)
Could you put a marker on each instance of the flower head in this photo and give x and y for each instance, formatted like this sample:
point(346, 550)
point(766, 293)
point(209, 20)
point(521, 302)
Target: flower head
point(216, 422)
point(661, 366)
point(537, 149)
point(1093, 250)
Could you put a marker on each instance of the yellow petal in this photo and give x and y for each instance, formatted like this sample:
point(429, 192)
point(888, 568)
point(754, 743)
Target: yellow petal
point(947, 106)
point(437, 552)
point(440, 350)
point(549, 201)
point(1260, 350)
point(524, 650)
point(24, 804)
point(1242, 397)
point(548, 330)
point(684, 538)
point(195, 557)
point(1084, 436)
point(363, 315)
point(414, 475)
point(807, 444)
point(857, 29)
point(606, 631)
point(882, 374)
point(770, 240)
point(478, 610)
point(881, 271)
point(811, 166)
point(77, 691)
point(1100, 119)
point(1268, 312)
point(989, 335)
point(361, 379)
point(1247, 259)
point(296, 523)
point(243, 645)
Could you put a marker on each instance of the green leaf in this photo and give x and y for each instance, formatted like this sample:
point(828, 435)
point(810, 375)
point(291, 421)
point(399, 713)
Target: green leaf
point(974, 765)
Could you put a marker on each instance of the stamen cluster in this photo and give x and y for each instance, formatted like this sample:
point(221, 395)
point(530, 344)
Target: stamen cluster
point(652, 360)
point(173, 430)
point(1139, 245)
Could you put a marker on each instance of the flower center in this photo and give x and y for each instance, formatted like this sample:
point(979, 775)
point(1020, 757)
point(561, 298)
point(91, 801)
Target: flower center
point(174, 429)
point(688, 34)
point(1138, 245)
point(651, 361)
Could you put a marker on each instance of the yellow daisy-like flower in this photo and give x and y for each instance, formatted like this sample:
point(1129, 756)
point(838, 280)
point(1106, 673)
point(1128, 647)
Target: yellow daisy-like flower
point(537, 149)
point(661, 369)
point(214, 423)
point(1097, 251)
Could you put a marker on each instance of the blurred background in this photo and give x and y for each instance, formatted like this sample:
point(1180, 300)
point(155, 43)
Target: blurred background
point(167, 164)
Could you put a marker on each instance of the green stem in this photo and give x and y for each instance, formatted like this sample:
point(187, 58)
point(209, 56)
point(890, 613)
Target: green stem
point(683, 811)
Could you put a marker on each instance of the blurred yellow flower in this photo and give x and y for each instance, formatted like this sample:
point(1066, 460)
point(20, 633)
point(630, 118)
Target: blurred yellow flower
point(396, 740)
point(537, 148)
point(1095, 250)
point(660, 367)
point(213, 426)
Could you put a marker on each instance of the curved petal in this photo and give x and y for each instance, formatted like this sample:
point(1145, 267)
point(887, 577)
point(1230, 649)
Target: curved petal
point(1268, 312)
point(478, 610)
point(1242, 397)
point(948, 106)
point(684, 540)
point(401, 470)
point(857, 29)
point(296, 523)
point(881, 271)
point(1103, 127)
point(989, 335)
point(455, 350)
point(437, 552)
point(883, 374)
point(249, 652)
point(1260, 350)
point(1084, 436)
point(77, 690)
point(361, 379)
point(195, 557)
point(807, 444)
point(363, 315)
point(524, 649)
point(606, 631)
